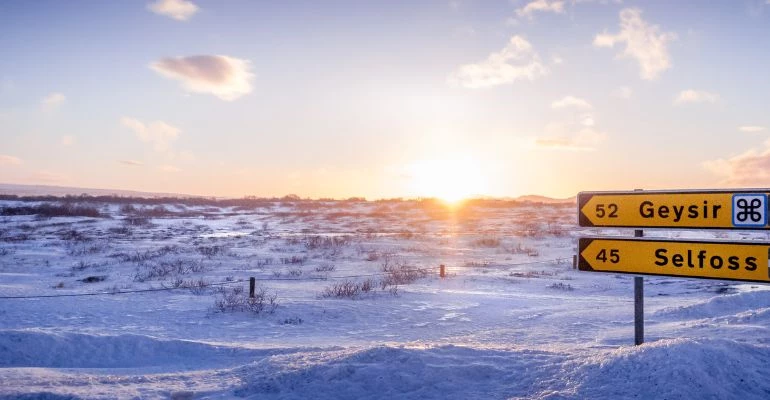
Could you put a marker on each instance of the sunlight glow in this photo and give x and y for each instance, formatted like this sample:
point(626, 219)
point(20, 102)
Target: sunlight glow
point(451, 180)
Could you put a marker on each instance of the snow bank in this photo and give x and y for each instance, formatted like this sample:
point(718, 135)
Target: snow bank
point(70, 350)
point(447, 372)
point(670, 369)
point(675, 369)
point(719, 306)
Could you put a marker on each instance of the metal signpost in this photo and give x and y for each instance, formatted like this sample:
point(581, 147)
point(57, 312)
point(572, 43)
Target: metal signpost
point(685, 209)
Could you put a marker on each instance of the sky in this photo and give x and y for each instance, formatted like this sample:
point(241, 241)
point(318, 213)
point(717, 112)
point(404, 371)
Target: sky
point(383, 99)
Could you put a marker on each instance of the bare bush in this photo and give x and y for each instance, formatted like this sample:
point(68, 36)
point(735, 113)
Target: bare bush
point(346, 289)
point(368, 285)
point(94, 279)
point(486, 242)
point(326, 242)
point(164, 269)
point(325, 268)
point(197, 287)
point(48, 210)
point(521, 249)
point(295, 273)
point(476, 264)
point(561, 286)
point(211, 251)
point(236, 300)
point(402, 274)
point(294, 260)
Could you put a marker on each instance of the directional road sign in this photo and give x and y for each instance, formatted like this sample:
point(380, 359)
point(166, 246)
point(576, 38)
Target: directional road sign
point(717, 209)
point(741, 261)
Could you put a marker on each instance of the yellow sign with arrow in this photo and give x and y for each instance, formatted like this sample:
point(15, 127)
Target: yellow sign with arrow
point(742, 261)
point(675, 209)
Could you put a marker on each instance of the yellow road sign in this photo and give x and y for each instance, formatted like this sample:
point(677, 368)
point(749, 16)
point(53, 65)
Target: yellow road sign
point(742, 261)
point(747, 209)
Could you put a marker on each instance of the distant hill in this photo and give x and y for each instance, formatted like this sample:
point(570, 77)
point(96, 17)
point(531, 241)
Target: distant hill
point(45, 190)
point(533, 198)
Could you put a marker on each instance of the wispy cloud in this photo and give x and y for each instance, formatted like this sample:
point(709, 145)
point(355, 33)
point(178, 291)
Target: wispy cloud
point(131, 163)
point(624, 92)
point(571, 101)
point(535, 6)
point(180, 10)
point(158, 133)
point(53, 101)
point(48, 177)
point(225, 77)
point(518, 60)
point(67, 140)
point(9, 160)
point(571, 136)
point(644, 42)
point(169, 168)
point(752, 128)
point(751, 168)
point(696, 96)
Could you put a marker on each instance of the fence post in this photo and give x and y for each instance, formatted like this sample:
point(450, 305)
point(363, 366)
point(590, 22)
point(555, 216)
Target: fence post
point(252, 286)
point(442, 271)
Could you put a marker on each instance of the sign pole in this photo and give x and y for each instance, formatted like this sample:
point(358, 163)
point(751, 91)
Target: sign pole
point(638, 303)
point(638, 300)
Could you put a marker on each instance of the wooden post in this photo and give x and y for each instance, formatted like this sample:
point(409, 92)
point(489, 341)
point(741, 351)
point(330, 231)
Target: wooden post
point(442, 271)
point(252, 286)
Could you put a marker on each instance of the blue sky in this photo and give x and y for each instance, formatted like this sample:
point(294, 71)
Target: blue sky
point(385, 99)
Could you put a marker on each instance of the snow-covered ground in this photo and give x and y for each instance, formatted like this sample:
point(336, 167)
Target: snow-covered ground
point(511, 320)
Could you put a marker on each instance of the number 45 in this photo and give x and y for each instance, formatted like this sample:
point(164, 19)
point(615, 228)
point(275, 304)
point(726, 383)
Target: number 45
point(614, 256)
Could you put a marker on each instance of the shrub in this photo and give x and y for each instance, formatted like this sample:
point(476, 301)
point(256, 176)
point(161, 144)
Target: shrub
point(48, 210)
point(402, 274)
point(561, 286)
point(235, 300)
point(486, 242)
point(325, 268)
point(94, 279)
point(345, 289)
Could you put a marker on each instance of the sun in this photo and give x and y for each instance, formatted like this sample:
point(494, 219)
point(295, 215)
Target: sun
point(451, 180)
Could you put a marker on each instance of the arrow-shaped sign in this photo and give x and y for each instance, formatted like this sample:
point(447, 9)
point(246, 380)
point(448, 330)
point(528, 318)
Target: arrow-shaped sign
point(675, 209)
point(742, 261)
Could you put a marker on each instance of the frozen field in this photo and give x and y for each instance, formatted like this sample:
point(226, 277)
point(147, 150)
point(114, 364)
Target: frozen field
point(151, 301)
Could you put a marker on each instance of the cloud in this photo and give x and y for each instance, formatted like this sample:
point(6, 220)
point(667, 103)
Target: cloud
point(695, 96)
point(180, 10)
point(47, 177)
point(751, 168)
point(9, 160)
point(132, 163)
point(225, 77)
point(644, 42)
point(159, 133)
point(169, 168)
point(67, 140)
point(752, 128)
point(573, 137)
point(53, 101)
point(624, 92)
point(554, 6)
point(518, 60)
point(571, 101)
